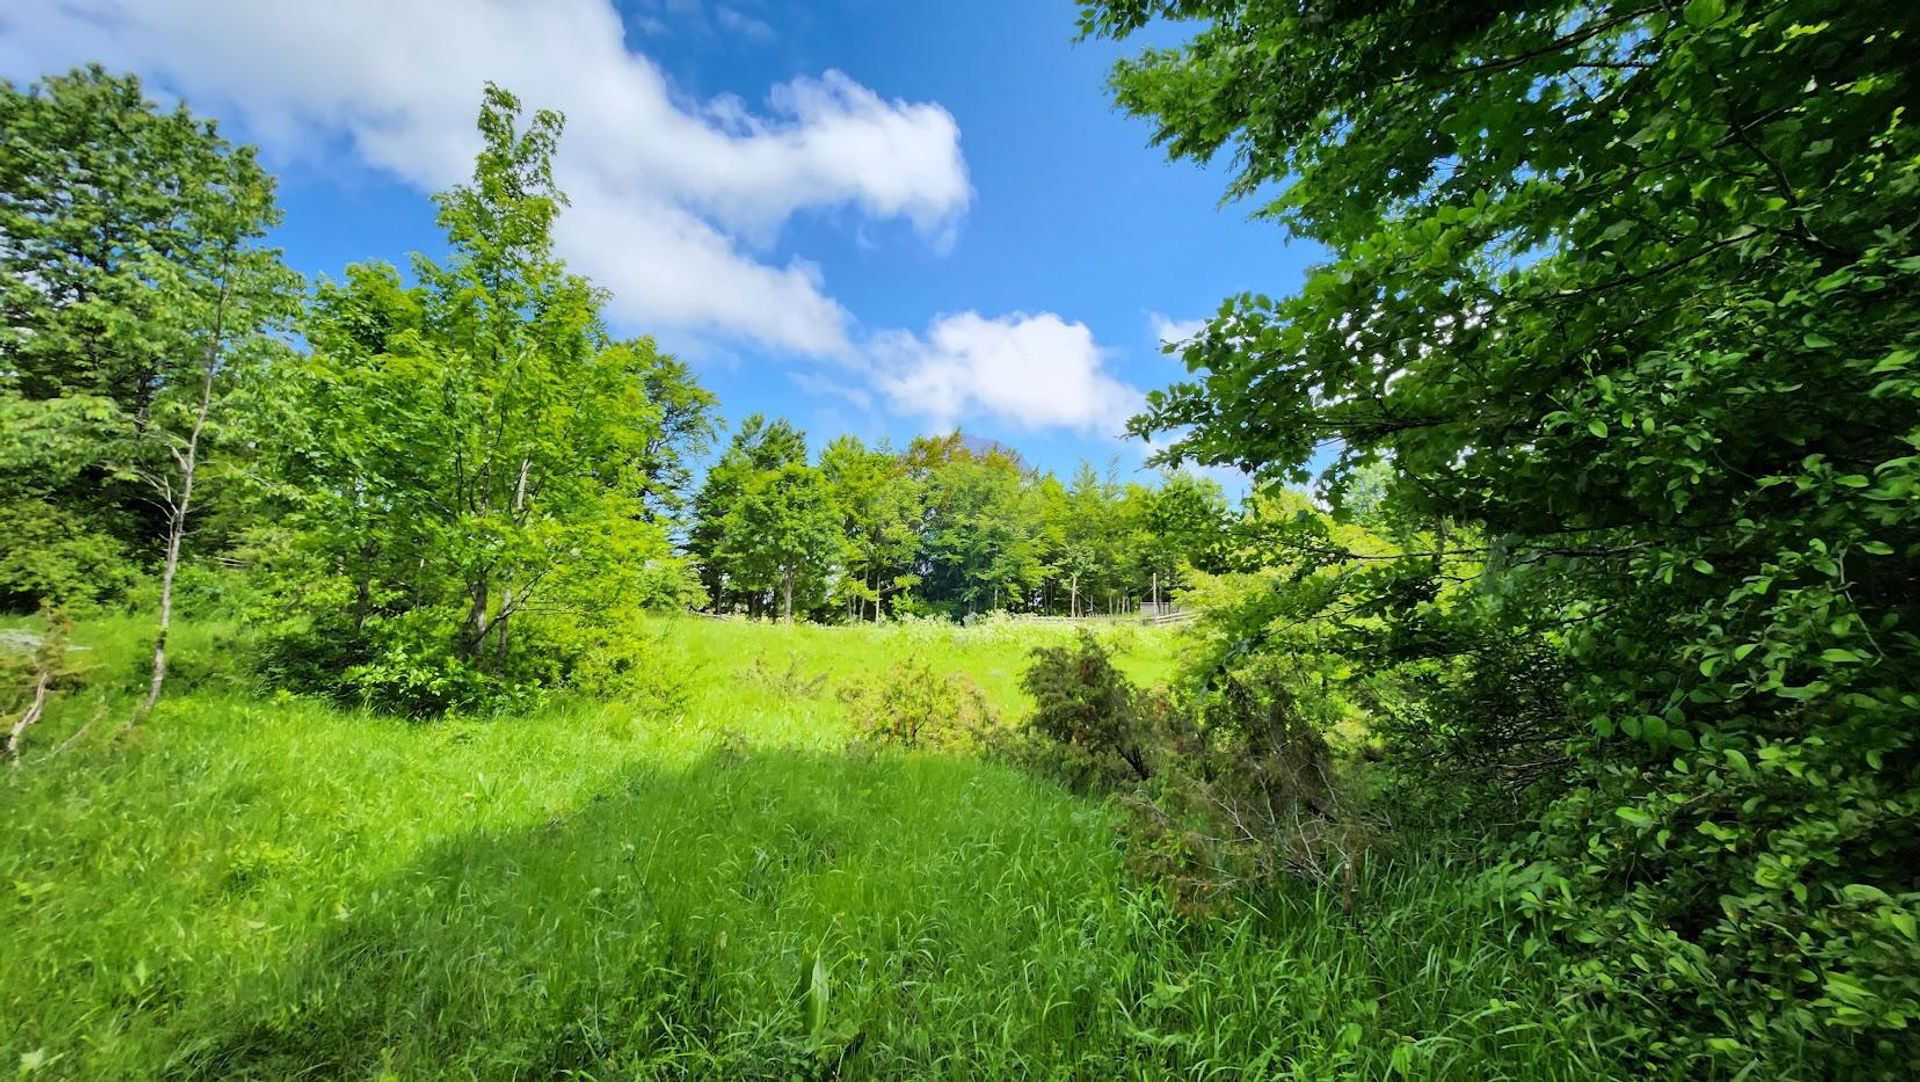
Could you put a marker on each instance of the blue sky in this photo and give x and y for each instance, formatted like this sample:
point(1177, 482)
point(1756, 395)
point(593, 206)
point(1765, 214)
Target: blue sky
point(871, 216)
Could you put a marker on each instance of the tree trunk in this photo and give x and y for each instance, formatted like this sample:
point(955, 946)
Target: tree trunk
point(181, 506)
point(502, 623)
point(789, 601)
point(477, 625)
point(176, 530)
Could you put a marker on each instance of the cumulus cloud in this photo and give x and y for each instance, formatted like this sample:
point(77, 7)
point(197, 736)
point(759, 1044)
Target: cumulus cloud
point(1037, 371)
point(672, 200)
point(1168, 331)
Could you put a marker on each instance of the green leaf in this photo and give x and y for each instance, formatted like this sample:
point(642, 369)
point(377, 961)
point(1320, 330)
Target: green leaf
point(1653, 729)
point(1699, 13)
point(1864, 892)
point(1597, 427)
point(818, 993)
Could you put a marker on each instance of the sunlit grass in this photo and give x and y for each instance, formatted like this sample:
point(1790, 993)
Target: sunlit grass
point(252, 888)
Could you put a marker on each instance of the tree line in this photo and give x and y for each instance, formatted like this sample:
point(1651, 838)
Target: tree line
point(946, 526)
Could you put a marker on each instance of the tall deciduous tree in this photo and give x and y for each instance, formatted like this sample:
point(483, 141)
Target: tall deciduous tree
point(880, 508)
point(223, 291)
point(476, 448)
point(136, 297)
point(1628, 289)
point(686, 429)
point(983, 539)
point(759, 446)
point(131, 280)
point(782, 536)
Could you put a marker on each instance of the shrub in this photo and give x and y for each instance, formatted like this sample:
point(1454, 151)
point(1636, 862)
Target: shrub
point(911, 706)
point(1224, 790)
point(1246, 792)
point(617, 658)
point(1087, 716)
point(203, 590)
point(52, 554)
point(787, 682)
point(34, 666)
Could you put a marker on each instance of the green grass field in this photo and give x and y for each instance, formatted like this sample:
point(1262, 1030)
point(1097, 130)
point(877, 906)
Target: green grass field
point(250, 888)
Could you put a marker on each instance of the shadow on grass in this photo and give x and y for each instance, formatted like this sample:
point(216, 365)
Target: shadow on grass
point(673, 924)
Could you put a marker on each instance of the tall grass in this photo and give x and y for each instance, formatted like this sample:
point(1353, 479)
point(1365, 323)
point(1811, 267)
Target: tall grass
point(267, 889)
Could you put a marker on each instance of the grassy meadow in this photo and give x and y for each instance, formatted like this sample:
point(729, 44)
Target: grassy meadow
point(711, 885)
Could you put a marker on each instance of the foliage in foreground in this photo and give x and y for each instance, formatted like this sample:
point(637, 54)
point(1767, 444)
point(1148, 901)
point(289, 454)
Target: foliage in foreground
point(1227, 788)
point(1621, 297)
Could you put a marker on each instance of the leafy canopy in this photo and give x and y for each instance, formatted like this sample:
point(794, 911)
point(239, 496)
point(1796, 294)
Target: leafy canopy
point(1621, 296)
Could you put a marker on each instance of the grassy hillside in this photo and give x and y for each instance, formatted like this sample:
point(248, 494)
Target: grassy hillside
point(272, 889)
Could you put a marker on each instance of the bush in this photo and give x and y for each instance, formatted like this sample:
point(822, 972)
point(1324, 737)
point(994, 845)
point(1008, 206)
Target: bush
point(408, 665)
point(34, 667)
point(1248, 792)
point(911, 706)
point(203, 590)
point(617, 658)
point(1224, 790)
point(1087, 716)
point(51, 554)
point(788, 682)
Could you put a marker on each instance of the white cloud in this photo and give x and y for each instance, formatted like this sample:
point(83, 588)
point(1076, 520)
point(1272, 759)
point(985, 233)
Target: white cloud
point(670, 198)
point(673, 201)
point(1036, 371)
point(1168, 331)
point(739, 22)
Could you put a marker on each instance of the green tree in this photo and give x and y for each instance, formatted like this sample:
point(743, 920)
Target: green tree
point(223, 293)
point(473, 451)
point(880, 508)
point(1089, 549)
point(686, 429)
point(759, 446)
point(134, 298)
point(983, 541)
point(782, 536)
point(1626, 290)
point(1177, 526)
